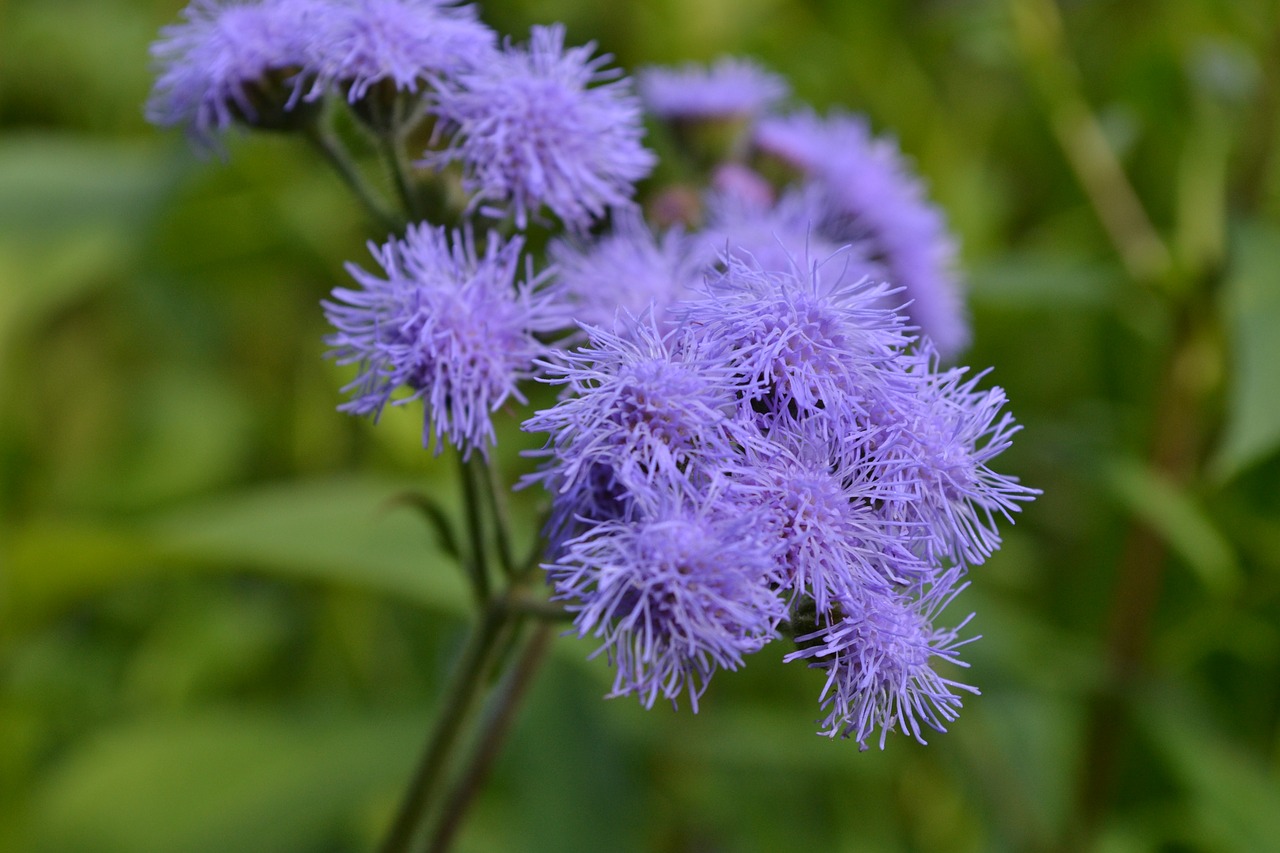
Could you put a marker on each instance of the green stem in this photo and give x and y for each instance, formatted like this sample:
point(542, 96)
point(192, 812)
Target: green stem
point(327, 144)
point(501, 520)
point(393, 151)
point(1038, 30)
point(464, 687)
point(498, 720)
point(477, 565)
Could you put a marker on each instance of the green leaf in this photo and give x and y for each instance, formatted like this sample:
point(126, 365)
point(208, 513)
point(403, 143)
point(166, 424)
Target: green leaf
point(1231, 797)
point(1180, 520)
point(338, 531)
point(1042, 281)
point(1252, 309)
point(52, 185)
point(235, 780)
point(435, 516)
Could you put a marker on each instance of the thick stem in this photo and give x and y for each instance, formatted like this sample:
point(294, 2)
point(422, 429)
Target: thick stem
point(460, 698)
point(498, 720)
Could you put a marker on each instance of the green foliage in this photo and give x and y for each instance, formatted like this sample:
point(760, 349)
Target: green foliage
point(227, 610)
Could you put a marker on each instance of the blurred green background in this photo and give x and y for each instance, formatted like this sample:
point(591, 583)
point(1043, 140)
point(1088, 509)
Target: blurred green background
point(215, 634)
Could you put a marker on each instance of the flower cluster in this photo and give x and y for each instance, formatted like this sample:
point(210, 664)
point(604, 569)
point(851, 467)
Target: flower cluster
point(804, 411)
point(542, 125)
point(756, 435)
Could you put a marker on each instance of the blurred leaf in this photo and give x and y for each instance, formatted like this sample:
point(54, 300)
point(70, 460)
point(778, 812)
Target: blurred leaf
point(434, 515)
point(243, 781)
point(338, 531)
point(1233, 798)
point(52, 185)
point(188, 432)
point(1176, 516)
point(1253, 317)
point(1041, 281)
point(72, 212)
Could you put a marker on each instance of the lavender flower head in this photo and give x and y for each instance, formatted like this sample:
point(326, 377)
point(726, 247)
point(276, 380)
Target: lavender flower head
point(729, 88)
point(232, 61)
point(878, 657)
point(361, 43)
point(544, 125)
point(642, 403)
point(937, 451)
point(873, 197)
point(446, 324)
point(674, 596)
point(774, 234)
point(629, 270)
point(821, 506)
point(812, 349)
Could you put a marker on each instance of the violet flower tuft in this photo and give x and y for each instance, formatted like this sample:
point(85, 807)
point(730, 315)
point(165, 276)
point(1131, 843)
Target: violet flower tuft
point(544, 125)
point(447, 324)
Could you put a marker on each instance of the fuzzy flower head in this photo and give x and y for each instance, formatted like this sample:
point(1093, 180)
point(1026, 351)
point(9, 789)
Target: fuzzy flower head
point(673, 596)
point(630, 270)
point(447, 324)
point(878, 656)
point(232, 61)
point(362, 43)
point(874, 197)
point(730, 88)
point(544, 125)
point(937, 451)
point(821, 507)
point(809, 350)
point(774, 234)
point(644, 406)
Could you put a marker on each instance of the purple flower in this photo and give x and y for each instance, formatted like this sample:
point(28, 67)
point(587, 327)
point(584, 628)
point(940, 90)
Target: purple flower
point(775, 235)
point(742, 185)
point(877, 652)
point(730, 88)
point(642, 404)
point(544, 125)
point(630, 269)
point(405, 42)
point(821, 503)
point(937, 448)
point(674, 596)
point(231, 61)
point(448, 325)
point(810, 350)
point(873, 197)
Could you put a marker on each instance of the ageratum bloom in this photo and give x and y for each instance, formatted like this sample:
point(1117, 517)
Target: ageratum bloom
point(821, 502)
point(674, 595)
point(872, 196)
point(445, 323)
point(936, 449)
point(629, 270)
point(730, 88)
point(810, 350)
point(642, 404)
point(878, 650)
point(232, 61)
point(543, 125)
point(406, 43)
point(775, 234)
